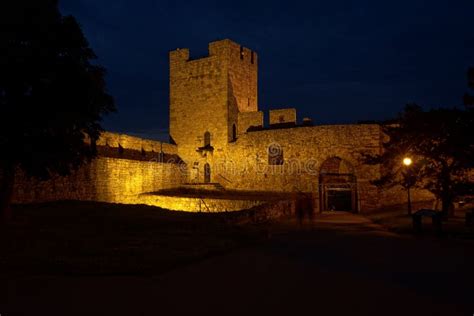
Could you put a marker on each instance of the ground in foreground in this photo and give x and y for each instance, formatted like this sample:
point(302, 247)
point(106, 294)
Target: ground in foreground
point(90, 238)
point(338, 264)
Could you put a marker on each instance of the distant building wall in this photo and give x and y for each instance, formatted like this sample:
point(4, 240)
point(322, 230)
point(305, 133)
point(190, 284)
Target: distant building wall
point(398, 195)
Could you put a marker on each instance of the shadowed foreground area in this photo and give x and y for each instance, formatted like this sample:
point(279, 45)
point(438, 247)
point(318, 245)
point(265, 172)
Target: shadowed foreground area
point(341, 264)
point(90, 238)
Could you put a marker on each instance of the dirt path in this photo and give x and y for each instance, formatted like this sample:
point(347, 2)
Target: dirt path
point(340, 265)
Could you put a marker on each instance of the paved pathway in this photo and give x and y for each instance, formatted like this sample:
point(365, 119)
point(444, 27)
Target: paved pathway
point(341, 264)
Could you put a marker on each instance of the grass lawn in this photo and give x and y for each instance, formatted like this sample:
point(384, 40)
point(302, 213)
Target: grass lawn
point(90, 238)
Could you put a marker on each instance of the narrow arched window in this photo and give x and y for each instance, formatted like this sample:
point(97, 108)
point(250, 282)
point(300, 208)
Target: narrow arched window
point(207, 139)
point(234, 132)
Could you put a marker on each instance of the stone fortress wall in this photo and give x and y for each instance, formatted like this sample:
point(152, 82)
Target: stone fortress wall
point(217, 96)
point(125, 168)
point(305, 151)
point(219, 137)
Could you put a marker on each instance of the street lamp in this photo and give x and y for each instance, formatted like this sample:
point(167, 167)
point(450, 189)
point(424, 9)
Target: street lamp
point(407, 162)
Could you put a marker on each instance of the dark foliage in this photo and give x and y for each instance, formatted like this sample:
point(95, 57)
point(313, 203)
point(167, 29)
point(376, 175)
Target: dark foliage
point(52, 97)
point(441, 145)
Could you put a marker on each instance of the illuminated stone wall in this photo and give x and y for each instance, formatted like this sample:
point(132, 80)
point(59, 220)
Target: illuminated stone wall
point(304, 149)
point(206, 95)
point(104, 179)
point(126, 167)
point(217, 96)
point(204, 204)
point(115, 140)
point(246, 165)
point(248, 120)
point(214, 93)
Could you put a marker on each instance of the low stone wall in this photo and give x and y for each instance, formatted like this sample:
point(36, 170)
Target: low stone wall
point(195, 204)
point(272, 211)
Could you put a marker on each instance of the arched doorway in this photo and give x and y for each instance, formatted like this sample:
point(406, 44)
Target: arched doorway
point(207, 173)
point(338, 186)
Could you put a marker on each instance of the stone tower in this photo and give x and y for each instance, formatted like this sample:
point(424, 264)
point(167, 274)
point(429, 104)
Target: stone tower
point(206, 97)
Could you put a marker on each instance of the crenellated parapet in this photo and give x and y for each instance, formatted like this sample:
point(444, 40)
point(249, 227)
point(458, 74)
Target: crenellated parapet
point(116, 140)
point(283, 116)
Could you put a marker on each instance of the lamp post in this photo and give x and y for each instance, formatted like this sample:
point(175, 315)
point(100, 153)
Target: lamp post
point(407, 162)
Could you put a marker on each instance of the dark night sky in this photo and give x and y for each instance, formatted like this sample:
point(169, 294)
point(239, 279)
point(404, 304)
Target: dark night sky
point(335, 61)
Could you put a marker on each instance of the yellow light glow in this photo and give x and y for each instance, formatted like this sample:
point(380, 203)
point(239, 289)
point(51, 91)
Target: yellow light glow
point(407, 161)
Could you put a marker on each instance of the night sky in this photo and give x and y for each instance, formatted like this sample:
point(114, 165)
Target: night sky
point(335, 61)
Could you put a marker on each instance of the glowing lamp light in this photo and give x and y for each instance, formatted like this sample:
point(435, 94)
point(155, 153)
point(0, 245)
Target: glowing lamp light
point(407, 161)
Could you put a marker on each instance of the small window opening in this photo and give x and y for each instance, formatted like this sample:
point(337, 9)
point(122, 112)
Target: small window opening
point(275, 155)
point(241, 52)
point(234, 132)
point(207, 139)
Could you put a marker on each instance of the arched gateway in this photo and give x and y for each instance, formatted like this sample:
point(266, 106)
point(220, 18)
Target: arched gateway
point(337, 186)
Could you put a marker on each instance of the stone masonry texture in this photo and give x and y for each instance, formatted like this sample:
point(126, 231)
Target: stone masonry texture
point(218, 135)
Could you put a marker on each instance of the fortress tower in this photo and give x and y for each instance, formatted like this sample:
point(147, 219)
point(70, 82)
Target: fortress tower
point(206, 97)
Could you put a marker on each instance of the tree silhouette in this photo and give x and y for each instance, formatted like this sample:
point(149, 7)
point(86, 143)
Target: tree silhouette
point(441, 145)
point(52, 97)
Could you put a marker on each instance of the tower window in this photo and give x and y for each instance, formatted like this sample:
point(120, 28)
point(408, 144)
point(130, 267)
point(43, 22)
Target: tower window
point(281, 119)
point(207, 139)
point(251, 57)
point(234, 132)
point(241, 52)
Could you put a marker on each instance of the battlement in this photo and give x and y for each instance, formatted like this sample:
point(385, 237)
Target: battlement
point(283, 116)
point(208, 93)
point(222, 49)
point(123, 141)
